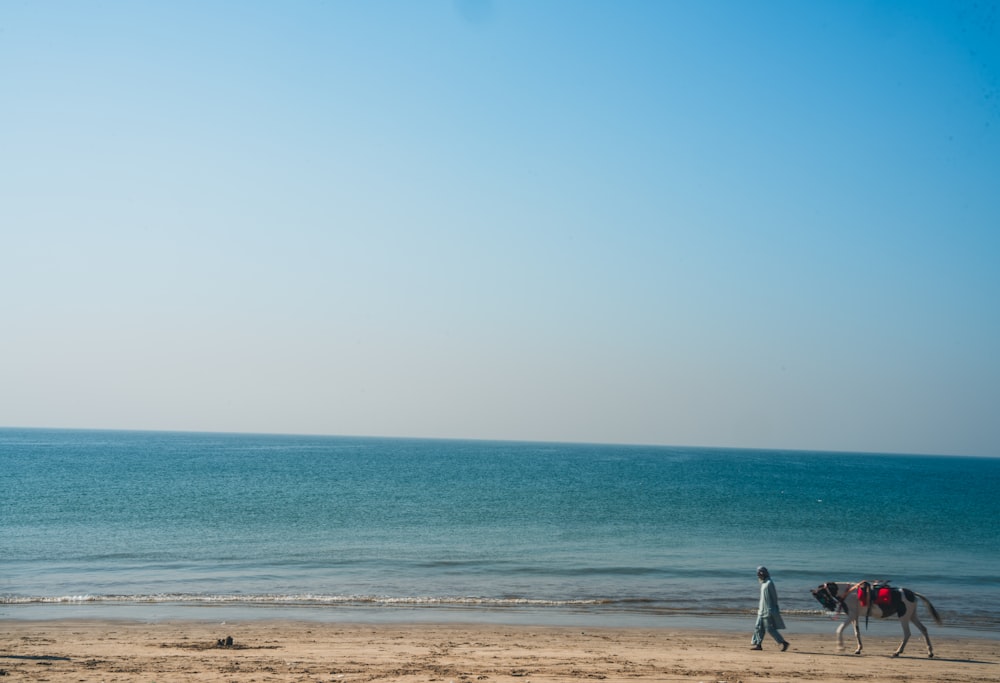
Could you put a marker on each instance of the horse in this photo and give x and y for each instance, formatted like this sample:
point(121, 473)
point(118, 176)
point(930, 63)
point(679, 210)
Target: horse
point(879, 600)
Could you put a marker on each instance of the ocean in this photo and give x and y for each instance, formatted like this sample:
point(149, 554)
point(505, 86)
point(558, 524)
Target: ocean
point(159, 525)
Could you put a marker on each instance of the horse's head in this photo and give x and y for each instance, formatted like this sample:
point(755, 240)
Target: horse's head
point(826, 594)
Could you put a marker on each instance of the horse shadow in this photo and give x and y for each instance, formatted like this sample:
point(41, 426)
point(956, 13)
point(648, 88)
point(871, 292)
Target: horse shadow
point(946, 659)
point(937, 658)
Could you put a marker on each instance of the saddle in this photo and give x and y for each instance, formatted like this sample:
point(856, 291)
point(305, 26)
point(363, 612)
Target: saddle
point(881, 595)
point(878, 593)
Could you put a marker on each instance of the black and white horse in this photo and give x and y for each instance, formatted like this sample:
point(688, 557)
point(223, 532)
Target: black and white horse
point(880, 601)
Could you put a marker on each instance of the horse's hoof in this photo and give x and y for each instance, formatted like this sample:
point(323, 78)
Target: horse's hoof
point(895, 654)
point(930, 655)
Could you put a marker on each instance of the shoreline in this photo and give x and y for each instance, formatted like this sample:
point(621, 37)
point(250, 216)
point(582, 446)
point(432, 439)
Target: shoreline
point(166, 612)
point(293, 650)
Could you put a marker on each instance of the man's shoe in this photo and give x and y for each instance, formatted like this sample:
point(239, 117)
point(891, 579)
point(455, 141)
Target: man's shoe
point(756, 647)
point(784, 646)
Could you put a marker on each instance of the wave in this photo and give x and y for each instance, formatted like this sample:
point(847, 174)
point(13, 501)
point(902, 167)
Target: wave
point(633, 605)
point(301, 599)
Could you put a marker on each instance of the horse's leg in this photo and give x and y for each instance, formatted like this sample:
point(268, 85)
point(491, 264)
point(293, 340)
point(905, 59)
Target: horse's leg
point(840, 634)
point(857, 635)
point(923, 629)
point(904, 621)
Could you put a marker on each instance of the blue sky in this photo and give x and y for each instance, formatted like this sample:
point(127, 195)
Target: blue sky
point(767, 225)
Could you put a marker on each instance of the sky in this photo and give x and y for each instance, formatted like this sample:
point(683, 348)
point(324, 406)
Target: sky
point(740, 224)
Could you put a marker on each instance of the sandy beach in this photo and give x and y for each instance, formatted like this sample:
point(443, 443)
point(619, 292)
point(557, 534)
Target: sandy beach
point(301, 651)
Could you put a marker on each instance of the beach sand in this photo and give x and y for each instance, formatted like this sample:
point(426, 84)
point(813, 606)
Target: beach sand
point(307, 651)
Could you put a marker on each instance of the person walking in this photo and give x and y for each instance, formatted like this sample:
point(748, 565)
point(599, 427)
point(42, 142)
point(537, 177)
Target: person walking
point(768, 613)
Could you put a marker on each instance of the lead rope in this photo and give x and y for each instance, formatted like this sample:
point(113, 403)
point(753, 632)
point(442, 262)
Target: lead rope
point(840, 608)
point(866, 587)
point(840, 604)
point(868, 599)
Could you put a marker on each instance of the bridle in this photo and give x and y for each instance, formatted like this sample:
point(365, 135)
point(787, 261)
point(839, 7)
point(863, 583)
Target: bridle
point(830, 600)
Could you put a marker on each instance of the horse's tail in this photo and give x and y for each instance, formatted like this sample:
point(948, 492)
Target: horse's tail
point(934, 614)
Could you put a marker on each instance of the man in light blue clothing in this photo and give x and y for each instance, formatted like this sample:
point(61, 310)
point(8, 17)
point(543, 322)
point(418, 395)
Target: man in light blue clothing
point(768, 614)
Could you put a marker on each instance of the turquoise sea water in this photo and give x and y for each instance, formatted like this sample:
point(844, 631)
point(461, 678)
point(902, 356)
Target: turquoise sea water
point(148, 524)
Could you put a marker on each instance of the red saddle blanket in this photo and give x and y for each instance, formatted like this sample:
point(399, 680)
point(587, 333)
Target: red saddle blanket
point(882, 595)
